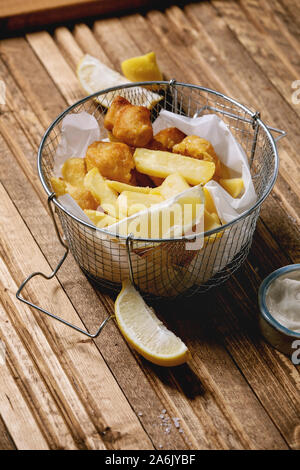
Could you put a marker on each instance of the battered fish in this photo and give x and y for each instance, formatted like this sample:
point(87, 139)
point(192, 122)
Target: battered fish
point(169, 137)
point(114, 160)
point(110, 117)
point(196, 147)
point(128, 123)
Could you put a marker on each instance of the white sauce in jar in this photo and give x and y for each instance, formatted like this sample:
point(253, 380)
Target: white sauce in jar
point(283, 300)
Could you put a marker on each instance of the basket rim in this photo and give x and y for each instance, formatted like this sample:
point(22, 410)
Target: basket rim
point(171, 83)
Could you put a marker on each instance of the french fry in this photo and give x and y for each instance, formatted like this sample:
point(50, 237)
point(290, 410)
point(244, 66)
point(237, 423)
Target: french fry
point(163, 164)
point(74, 171)
point(100, 190)
point(173, 184)
point(120, 187)
point(100, 219)
point(58, 186)
point(164, 221)
point(130, 202)
point(209, 202)
point(234, 186)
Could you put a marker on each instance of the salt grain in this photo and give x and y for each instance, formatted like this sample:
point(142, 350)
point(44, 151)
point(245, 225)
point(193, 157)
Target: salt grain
point(176, 422)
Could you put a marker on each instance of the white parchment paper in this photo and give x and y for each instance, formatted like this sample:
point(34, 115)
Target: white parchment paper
point(229, 151)
point(111, 262)
point(80, 130)
point(77, 133)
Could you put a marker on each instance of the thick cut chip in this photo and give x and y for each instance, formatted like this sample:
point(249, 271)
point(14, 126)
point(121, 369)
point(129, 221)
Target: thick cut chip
point(100, 190)
point(130, 202)
point(173, 184)
point(74, 171)
point(163, 164)
point(100, 219)
point(172, 218)
point(58, 186)
point(234, 186)
point(120, 187)
point(209, 202)
point(211, 221)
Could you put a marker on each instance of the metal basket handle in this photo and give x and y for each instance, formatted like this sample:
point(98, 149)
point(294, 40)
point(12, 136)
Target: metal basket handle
point(50, 276)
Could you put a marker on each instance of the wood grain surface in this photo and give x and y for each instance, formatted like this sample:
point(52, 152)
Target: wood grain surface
point(60, 390)
point(17, 15)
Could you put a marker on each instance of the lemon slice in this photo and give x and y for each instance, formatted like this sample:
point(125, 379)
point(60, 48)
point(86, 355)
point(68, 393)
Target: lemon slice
point(95, 76)
point(145, 332)
point(142, 68)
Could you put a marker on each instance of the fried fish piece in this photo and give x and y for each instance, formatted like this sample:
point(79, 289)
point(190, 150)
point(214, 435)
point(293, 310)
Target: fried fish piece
point(133, 126)
point(83, 197)
point(110, 117)
point(129, 123)
point(114, 160)
point(169, 137)
point(197, 147)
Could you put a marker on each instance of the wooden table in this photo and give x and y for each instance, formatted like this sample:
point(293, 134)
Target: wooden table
point(59, 389)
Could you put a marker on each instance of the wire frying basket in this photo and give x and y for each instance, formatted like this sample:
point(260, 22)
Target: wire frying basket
point(164, 268)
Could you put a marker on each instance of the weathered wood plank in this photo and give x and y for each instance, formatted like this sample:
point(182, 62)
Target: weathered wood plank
point(137, 42)
point(260, 94)
point(6, 441)
point(17, 7)
point(284, 193)
point(71, 51)
point(80, 359)
point(16, 15)
point(57, 67)
point(27, 373)
point(37, 89)
point(74, 62)
point(214, 408)
point(112, 345)
point(16, 413)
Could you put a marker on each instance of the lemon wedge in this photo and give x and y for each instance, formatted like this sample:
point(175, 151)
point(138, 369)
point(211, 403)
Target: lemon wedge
point(95, 76)
point(142, 68)
point(145, 332)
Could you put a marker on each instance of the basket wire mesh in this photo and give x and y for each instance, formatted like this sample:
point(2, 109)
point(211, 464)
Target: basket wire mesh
point(167, 268)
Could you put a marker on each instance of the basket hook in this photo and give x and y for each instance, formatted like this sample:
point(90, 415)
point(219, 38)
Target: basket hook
point(128, 248)
point(50, 276)
point(173, 92)
point(255, 126)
